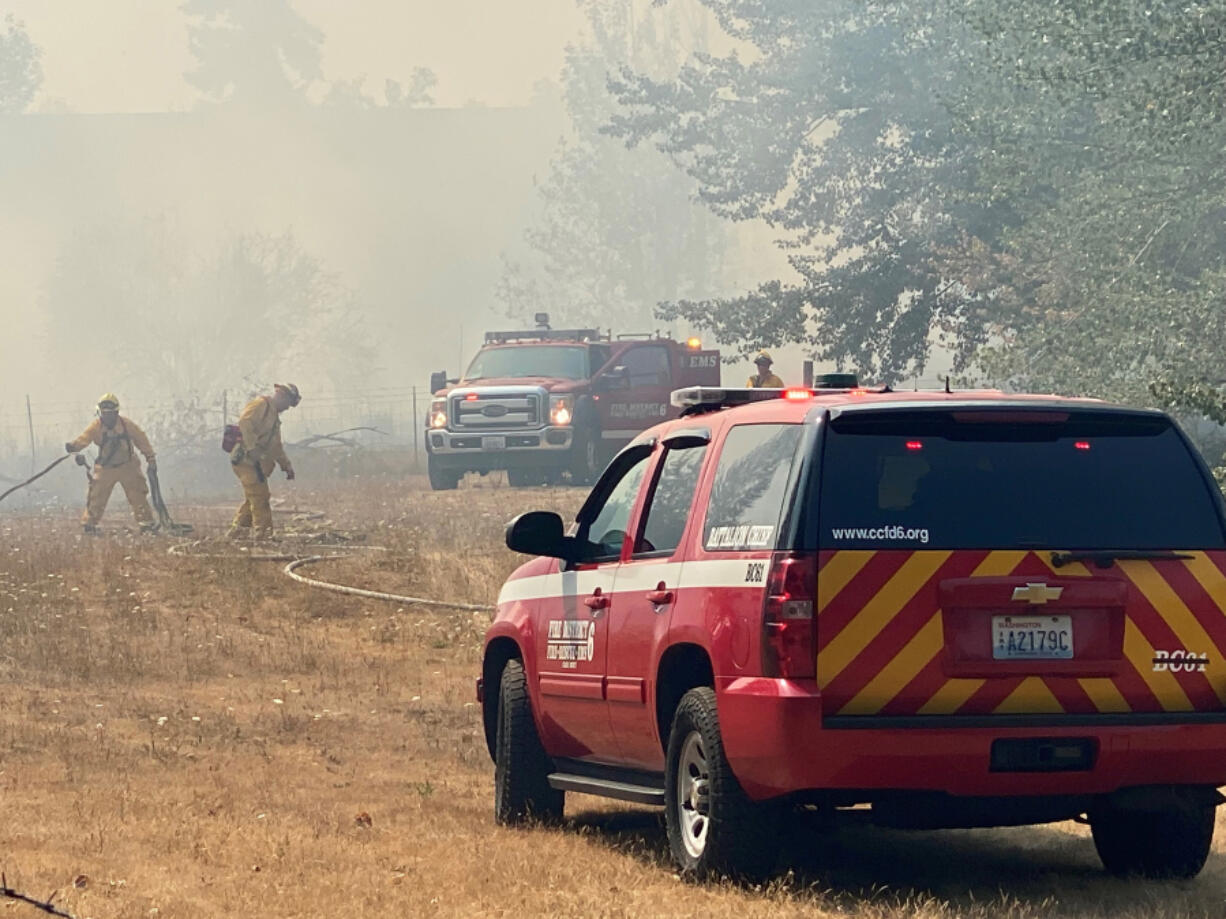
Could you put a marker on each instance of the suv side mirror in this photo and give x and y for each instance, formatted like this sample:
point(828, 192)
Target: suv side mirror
point(540, 533)
point(438, 381)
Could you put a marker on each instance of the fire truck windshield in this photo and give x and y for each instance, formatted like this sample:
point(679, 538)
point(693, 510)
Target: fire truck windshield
point(552, 361)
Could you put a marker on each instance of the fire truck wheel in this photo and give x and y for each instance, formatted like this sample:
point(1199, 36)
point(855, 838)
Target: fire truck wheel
point(1172, 843)
point(521, 787)
point(442, 479)
point(585, 456)
point(713, 828)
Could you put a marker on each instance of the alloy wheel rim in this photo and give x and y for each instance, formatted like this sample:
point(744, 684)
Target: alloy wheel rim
point(693, 795)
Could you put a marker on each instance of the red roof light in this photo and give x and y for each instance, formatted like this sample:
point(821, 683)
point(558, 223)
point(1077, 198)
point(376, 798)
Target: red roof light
point(1082, 444)
point(797, 395)
point(471, 397)
point(915, 445)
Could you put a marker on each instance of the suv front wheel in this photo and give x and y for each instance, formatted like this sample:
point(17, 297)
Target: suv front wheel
point(714, 829)
point(521, 767)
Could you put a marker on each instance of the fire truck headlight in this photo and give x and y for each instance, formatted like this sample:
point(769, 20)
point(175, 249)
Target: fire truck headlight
point(561, 410)
point(438, 414)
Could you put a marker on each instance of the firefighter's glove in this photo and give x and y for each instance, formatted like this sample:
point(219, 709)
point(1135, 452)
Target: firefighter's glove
point(81, 461)
point(68, 447)
point(289, 473)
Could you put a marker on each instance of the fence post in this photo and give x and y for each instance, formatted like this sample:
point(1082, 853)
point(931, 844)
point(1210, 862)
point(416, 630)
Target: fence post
point(225, 407)
point(416, 460)
point(30, 419)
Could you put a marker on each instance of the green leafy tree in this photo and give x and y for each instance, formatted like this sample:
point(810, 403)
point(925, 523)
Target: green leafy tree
point(21, 72)
point(828, 123)
point(618, 229)
point(1103, 122)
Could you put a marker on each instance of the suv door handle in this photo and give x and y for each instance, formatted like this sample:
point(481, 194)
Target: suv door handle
point(597, 600)
point(660, 595)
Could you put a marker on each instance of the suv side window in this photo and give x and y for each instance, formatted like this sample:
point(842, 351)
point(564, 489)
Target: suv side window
point(647, 365)
point(747, 494)
point(607, 530)
point(669, 506)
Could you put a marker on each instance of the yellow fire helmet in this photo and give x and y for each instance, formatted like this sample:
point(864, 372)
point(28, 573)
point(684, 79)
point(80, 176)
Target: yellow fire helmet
point(109, 401)
point(763, 358)
point(290, 390)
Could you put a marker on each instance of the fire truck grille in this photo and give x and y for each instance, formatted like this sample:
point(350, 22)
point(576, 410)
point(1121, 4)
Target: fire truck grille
point(495, 412)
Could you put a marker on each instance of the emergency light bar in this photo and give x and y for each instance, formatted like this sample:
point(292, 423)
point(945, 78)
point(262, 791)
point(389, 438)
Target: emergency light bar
point(694, 399)
point(498, 338)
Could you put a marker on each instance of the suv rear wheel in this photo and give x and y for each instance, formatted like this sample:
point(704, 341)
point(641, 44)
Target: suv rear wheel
point(713, 827)
point(1171, 843)
point(521, 768)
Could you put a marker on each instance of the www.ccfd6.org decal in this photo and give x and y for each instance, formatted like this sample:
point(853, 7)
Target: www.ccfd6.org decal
point(571, 641)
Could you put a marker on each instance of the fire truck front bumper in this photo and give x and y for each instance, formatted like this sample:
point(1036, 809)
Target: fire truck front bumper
point(549, 446)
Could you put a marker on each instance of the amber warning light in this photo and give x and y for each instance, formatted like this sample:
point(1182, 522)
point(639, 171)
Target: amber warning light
point(694, 343)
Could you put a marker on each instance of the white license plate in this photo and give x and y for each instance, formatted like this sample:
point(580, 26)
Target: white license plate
point(1028, 638)
point(493, 443)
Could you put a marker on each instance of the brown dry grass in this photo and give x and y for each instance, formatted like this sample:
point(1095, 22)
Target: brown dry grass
point(204, 738)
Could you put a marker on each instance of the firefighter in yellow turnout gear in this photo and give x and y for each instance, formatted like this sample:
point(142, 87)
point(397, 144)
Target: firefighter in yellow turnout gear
point(118, 440)
point(256, 456)
point(764, 379)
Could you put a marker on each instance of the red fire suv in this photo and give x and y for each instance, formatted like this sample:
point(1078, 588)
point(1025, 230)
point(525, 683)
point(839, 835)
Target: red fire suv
point(965, 610)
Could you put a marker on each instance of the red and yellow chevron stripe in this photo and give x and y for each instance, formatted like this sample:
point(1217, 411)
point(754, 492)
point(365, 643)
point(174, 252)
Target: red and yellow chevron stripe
point(881, 637)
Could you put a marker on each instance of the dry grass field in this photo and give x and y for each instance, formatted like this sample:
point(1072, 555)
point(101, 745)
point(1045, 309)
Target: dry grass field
point(202, 737)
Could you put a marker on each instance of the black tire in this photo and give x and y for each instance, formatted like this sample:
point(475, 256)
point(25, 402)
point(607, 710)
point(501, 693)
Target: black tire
point(1171, 843)
point(442, 479)
point(585, 464)
point(737, 840)
point(521, 768)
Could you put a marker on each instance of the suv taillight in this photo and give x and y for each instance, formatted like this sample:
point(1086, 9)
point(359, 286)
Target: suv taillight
point(789, 623)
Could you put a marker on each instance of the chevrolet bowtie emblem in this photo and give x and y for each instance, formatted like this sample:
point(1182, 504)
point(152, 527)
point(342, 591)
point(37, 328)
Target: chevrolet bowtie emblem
point(1037, 593)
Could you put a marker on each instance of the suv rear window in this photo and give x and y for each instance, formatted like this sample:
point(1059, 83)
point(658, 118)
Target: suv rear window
point(990, 480)
point(751, 480)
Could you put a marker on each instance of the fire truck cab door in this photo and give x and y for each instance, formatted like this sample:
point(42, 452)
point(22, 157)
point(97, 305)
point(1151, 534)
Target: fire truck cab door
point(635, 391)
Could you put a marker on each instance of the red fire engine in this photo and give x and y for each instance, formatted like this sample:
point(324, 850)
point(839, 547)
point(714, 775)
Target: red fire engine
point(550, 402)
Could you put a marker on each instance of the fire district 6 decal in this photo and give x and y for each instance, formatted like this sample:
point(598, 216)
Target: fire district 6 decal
point(571, 641)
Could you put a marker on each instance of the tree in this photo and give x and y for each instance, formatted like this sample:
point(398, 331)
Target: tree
point(618, 229)
point(1037, 186)
point(1103, 121)
point(827, 122)
point(21, 72)
point(187, 327)
point(258, 52)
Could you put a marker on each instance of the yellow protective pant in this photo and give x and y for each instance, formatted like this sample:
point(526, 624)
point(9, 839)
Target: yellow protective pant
point(130, 476)
point(255, 511)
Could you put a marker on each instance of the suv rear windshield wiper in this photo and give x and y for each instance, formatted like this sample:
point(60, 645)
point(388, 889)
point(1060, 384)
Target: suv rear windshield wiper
point(1107, 557)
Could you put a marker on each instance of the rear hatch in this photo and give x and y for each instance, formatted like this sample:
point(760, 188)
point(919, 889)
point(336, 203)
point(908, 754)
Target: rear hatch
point(995, 560)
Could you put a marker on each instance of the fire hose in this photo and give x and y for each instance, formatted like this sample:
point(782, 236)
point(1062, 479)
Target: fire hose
point(294, 561)
point(34, 478)
point(165, 521)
